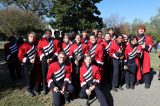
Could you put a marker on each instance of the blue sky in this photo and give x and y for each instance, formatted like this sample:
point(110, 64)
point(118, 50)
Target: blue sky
point(129, 9)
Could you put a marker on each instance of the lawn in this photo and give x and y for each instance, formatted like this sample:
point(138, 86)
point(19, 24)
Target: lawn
point(12, 93)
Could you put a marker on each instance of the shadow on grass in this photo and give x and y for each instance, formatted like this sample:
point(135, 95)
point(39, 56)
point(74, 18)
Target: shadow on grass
point(7, 86)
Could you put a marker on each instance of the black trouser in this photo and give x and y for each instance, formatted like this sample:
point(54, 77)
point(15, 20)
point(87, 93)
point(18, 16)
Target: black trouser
point(130, 75)
point(75, 77)
point(30, 76)
point(58, 98)
point(99, 94)
point(147, 78)
point(108, 67)
point(116, 73)
point(44, 73)
point(14, 68)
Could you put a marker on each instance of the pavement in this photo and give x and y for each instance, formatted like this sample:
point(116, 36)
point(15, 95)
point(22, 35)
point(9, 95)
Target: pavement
point(140, 96)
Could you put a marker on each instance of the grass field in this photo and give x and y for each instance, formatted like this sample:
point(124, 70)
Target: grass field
point(12, 93)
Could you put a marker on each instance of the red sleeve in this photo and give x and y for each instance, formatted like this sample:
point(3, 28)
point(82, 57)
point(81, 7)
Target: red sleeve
point(68, 73)
point(82, 80)
point(70, 55)
point(100, 55)
point(85, 49)
point(40, 49)
point(21, 53)
point(56, 47)
point(149, 43)
point(49, 75)
point(97, 75)
point(113, 50)
point(126, 54)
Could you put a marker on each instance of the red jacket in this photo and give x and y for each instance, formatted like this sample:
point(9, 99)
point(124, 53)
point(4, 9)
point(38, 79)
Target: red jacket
point(131, 53)
point(85, 41)
point(114, 48)
point(96, 52)
point(106, 46)
point(10, 50)
point(99, 40)
point(146, 57)
point(89, 75)
point(76, 49)
point(45, 48)
point(60, 72)
point(27, 52)
point(66, 47)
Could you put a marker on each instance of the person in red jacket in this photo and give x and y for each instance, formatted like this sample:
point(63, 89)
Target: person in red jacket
point(117, 55)
point(146, 43)
point(48, 49)
point(90, 78)
point(27, 55)
point(132, 67)
point(111, 32)
point(76, 54)
point(11, 56)
point(59, 80)
point(66, 44)
point(99, 37)
point(96, 52)
point(85, 38)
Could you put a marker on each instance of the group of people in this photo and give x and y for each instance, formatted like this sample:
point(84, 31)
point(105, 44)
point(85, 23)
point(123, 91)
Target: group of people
point(79, 66)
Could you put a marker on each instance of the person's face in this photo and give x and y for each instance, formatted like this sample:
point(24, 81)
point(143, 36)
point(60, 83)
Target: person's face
point(78, 39)
point(141, 31)
point(66, 39)
point(48, 34)
point(95, 31)
point(84, 34)
point(107, 37)
point(125, 38)
point(100, 35)
point(111, 32)
point(134, 41)
point(92, 39)
point(31, 38)
point(119, 39)
point(61, 58)
point(88, 61)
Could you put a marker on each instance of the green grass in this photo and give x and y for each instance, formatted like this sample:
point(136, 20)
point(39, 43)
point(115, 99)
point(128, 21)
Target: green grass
point(155, 61)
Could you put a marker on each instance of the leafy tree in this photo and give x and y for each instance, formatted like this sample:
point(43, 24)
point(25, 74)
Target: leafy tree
point(40, 7)
point(15, 21)
point(75, 14)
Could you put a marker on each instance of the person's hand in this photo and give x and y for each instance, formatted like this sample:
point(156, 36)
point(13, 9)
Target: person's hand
point(92, 88)
point(76, 62)
point(88, 92)
point(32, 61)
point(125, 67)
point(138, 51)
point(121, 57)
point(49, 60)
point(143, 45)
point(55, 89)
point(62, 91)
point(120, 51)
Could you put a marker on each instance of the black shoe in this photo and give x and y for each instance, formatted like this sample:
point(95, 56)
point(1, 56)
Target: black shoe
point(114, 89)
point(147, 86)
point(120, 88)
point(31, 93)
point(37, 93)
point(127, 86)
point(44, 92)
point(137, 83)
point(132, 86)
